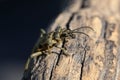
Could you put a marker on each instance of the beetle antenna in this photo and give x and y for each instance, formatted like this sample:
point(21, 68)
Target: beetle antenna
point(81, 33)
point(84, 27)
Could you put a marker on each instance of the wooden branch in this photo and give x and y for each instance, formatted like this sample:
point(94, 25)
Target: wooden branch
point(96, 57)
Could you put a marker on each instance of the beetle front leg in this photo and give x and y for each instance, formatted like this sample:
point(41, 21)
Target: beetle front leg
point(31, 57)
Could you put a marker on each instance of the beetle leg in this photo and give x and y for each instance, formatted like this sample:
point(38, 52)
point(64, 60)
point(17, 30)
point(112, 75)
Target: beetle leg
point(64, 51)
point(35, 54)
point(27, 64)
point(31, 57)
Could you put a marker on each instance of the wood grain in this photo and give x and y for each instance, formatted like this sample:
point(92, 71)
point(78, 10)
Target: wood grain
point(96, 57)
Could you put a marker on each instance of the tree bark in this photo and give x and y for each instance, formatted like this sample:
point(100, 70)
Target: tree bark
point(96, 57)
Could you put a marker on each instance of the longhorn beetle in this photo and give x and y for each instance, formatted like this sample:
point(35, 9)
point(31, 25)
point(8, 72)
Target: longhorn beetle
point(53, 39)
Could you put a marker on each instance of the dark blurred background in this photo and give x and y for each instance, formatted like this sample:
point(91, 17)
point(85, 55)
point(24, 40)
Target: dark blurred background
point(20, 23)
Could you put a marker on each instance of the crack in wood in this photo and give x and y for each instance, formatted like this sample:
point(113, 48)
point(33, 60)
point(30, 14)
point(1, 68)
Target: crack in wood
point(51, 73)
point(43, 74)
point(85, 4)
point(118, 65)
point(40, 68)
point(84, 56)
point(108, 53)
point(109, 57)
point(54, 65)
point(69, 21)
point(67, 26)
point(110, 30)
point(102, 36)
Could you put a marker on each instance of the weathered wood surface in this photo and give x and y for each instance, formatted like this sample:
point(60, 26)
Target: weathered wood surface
point(91, 58)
